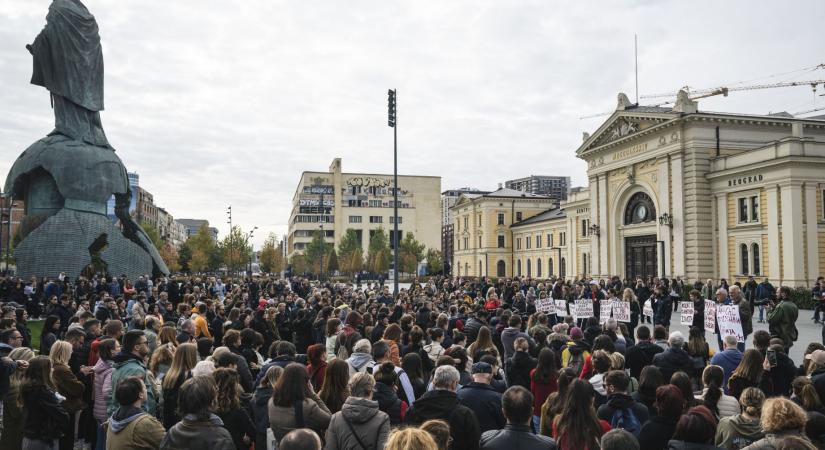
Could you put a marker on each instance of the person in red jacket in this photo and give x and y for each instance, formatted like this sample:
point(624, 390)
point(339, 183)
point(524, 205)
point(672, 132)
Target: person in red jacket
point(543, 382)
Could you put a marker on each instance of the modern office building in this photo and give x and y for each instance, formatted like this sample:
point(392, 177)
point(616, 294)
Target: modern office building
point(552, 186)
point(192, 226)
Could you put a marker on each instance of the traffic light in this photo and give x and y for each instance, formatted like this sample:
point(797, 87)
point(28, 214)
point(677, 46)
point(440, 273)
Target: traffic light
point(391, 108)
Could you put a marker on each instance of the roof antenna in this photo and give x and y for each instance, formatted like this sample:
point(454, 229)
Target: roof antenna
point(636, 53)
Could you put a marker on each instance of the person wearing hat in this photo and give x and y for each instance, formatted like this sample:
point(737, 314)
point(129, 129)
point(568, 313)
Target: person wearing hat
point(483, 399)
point(576, 352)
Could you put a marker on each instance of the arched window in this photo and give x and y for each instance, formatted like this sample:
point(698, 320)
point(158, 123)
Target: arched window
point(518, 267)
point(563, 268)
point(639, 209)
point(757, 263)
point(584, 264)
point(466, 269)
point(743, 259)
point(538, 267)
point(480, 268)
point(529, 268)
point(501, 269)
point(549, 267)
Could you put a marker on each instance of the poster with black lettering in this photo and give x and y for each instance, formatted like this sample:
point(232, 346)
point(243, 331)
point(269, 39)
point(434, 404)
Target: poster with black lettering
point(621, 311)
point(584, 309)
point(605, 308)
point(546, 305)
point(687, 313)
point(647, 310)
point(730, 324)
point(561, 308)
point(710, 316)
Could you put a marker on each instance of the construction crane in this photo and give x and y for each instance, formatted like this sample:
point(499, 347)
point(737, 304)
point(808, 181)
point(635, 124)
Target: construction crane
point(702, 93)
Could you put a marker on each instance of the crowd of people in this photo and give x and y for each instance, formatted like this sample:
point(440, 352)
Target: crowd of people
point(448, 363)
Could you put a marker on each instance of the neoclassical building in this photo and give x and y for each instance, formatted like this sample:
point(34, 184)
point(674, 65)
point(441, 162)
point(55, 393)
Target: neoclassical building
point(679, 192)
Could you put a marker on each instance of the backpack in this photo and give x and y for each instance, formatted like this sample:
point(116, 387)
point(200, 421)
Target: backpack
point(626, 420)
point(576, 362)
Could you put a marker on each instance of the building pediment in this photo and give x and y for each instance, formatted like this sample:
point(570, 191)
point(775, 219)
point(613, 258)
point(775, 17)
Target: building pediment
point(624, 125)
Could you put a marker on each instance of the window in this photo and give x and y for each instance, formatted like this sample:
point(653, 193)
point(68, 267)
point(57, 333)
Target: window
point(748, 209)
point(639, 209)
point(757, 264)
point(743, 258)
point(538, 241)
point(529, 269)
point(500, 241)
point(466, 243)
point(479, 242)
point(354, 219)
point(375, 203)
point(550, 239)
point(501, 269)
point(478, 219)
point(549, 267)
point(584, 227)
point(518, 243)
point(466, 221)
point(518, 216)
point(376, 219)
point(501, 218)
point(528, 240)
point(563, 268)
point(562, 239)
point(518, 267)
point(538, 268)
point(584, 263)
point(400, 219)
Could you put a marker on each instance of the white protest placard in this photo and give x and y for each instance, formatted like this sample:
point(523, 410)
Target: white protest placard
point(730, 324)
point(546, 305)
point(584, 309)
point(710, 316)
point(687, 313)
point(621, 311)
point(561, 308)
point(647, 310)
point(605, 308)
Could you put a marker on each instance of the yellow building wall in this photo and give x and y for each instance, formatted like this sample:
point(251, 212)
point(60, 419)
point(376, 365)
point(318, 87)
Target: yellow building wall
point(766, 257)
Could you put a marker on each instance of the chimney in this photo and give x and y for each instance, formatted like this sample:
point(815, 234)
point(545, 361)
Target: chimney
point(500, 186)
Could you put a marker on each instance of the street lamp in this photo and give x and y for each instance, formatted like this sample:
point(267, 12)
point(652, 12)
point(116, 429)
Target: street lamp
point(594, 230)
point(251, 248)
point(229, 213)
point(391, 121)
point(666, 220)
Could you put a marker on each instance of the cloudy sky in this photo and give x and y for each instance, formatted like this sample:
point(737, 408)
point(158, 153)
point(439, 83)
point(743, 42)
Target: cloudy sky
point(219, 102)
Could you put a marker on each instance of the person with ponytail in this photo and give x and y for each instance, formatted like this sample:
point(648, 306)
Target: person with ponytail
point(805, 395)
point(714, 398)
point(741, 430)
point(578, 427)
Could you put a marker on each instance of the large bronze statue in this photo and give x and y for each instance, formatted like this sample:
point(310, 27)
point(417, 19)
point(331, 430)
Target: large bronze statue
point(67, 177)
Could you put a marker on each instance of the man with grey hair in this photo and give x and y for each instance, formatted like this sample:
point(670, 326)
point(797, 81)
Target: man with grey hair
point(728, 359)
point(619, 439)
point(745, 313)
point(675, 358)
point(360, 424)
point(360, 361)
point(442, 403)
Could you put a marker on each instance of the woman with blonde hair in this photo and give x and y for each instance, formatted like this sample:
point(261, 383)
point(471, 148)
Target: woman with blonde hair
point(185, 359)
point(781, 418)
point(67, 385)
point(743, 429)
point(410, 438)
point(167, 338)
point(161, 361)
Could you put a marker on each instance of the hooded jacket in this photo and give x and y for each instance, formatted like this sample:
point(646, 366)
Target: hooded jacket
point(360, 362)
point(315, 412)
point(103, 388)
point(641, 355)
point(193, 432)
point(574, 348)
point(442, 404)
point(129, 365)
point(388, 402)
point(131, 428)
point(617, 402)
point(362, 415)
point(508, 338)
point(673, 360)
point(737, 432)
point(728, 360)
point(518, 369)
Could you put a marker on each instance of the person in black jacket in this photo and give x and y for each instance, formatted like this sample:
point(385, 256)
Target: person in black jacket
point(616, 383)
point(659, 429)
point(234, 410)
point(44, 419)
point(517, 434)
point(483, 399)
point(675, 358)
point(641, 354)
point(520, 364)
point(442, 403)
point(474, 324)
point(386, 385)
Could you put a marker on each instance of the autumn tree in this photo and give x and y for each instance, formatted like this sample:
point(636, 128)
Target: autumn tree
point(153, 233)
point(236, 250)
point(435, 262)
point(271, 257)
point(169, 254)
point(410, 253)
point(315, 251)
point(350, 254)
point(200, 252)
point(378, 256)
point(332, 261)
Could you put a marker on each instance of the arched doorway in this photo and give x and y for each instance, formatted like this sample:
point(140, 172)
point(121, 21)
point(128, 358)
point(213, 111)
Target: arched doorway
point(549, 267)
point(563, 268)
point(529, 268)
point(501, 269)
point(639, 222)
point(518, 267)
point(538, 267)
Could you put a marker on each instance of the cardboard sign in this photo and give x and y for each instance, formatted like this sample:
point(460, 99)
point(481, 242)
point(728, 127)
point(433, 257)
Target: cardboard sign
point(687, 313)
point(710, 316)
point(584, 309)
point(561, 308)
point(546, 305)
point(647, 310)
point(605, 308)
point(621, 311)
point(730, 324)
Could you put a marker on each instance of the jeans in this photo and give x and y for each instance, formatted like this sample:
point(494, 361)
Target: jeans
point(761, 313)
point(101, 437)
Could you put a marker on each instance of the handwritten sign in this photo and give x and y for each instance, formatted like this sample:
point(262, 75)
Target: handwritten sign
point(730, 324)
point(584, 309)
point(647, 310)
point(605, 308)
point(710, 316)
point(621, 311)
point(546, 305)
point(687, 313)
point(561, 308)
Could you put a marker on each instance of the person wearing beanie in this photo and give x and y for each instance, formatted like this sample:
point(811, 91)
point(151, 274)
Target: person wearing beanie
point(576, 351)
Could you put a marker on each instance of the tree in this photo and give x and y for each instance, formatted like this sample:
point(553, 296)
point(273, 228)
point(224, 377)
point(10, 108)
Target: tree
point(298, 263)
point(351, 256)
point(435, 262)
point(410, 253)
point(378, 256)
point(169, 254)
point(271, 257)
point(315, 251)
point(153, 233)
point(201, 252)
point(332, 264)
point(235, 249)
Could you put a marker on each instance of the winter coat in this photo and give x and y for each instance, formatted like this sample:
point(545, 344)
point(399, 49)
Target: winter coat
point(508, 339)
point(782, 322)
point(282, 419)
point(737, 384)
point(260, 414)
point(388, 402)
point(736, 432)
point(513, 437)
point(103, 388)
point(68, 386)
point(673, 360)
point(818, 381)
point(574, 348)
point(485, 403)
point(728, 360)
point(170, 401)
point(442, 404)
point(656, 433)
point(727, 405)
point(12, 435)
point(641, 355)
point(360, 362)
point(682, 445)
point(771, 440)
point(618, 402)
point(541, 391)
point(129, 365)
point(471, 329)
point(194, 433)
point(746, 316)
point(518, 369)
point(362, 416)
point(782, 375)
point(44, 418)
point(131, 428)
point(239, 424)
point(280, 361)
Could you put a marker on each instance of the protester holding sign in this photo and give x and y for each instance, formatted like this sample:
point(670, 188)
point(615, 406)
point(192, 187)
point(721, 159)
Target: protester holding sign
point(698, 310)
point(687, 313)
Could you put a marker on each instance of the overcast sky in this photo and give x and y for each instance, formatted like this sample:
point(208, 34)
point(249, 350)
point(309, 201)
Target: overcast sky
point(218, 102)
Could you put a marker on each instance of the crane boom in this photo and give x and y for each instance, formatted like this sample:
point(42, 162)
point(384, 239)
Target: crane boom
point(702, 93)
